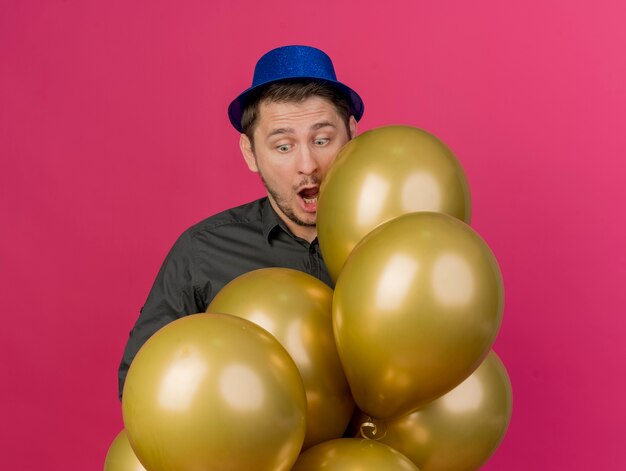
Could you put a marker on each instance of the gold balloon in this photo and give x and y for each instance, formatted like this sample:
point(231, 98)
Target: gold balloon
point(213, 391)
point(296, 308)
point(382, 174)
point(353, 454)
point(121, 456)
point(460, 430)
point(415, 310)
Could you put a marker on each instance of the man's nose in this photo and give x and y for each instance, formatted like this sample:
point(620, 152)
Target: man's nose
point(307, 161)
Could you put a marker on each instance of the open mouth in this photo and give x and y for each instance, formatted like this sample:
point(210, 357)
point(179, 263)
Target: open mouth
point(309, 197)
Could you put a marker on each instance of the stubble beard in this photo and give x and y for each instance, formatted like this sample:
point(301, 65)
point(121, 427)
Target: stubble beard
point(282, 204)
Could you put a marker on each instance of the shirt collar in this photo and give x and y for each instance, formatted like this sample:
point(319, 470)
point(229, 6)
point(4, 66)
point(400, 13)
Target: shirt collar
point(271, 221)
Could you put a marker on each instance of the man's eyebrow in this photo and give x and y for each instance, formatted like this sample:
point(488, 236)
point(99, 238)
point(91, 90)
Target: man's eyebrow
point(315, 127)
point(280, 131)
point(322, 124)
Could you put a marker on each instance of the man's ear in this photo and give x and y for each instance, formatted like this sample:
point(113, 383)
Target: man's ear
point(248, 154)
point(352, 125)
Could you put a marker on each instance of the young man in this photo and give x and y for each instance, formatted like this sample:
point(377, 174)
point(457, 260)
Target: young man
point(293, 120)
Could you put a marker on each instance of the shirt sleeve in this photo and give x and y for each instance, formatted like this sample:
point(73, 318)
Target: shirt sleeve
point(171, 297)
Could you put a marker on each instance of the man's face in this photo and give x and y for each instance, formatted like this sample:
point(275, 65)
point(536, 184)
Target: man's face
point(294, 146)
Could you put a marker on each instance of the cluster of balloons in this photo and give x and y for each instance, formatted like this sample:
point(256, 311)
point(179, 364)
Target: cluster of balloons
point(396, 359)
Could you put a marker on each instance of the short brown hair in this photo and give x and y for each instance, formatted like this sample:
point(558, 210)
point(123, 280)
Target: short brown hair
point(294, 91)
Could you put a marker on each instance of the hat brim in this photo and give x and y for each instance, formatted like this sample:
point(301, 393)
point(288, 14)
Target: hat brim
point(235, 109)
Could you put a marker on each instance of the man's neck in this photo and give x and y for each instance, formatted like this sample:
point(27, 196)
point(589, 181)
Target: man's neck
point(308, 233)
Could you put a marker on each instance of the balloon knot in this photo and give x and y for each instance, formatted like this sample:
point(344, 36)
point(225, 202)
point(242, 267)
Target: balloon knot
point(369, 430)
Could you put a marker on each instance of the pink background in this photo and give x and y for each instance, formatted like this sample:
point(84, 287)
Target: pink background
point(114, 138)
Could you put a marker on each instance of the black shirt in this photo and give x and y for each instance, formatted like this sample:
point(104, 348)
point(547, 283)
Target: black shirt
point(212, 253)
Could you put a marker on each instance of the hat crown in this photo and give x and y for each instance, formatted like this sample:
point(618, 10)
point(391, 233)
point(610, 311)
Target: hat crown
point(303, 63)
point(293, 62)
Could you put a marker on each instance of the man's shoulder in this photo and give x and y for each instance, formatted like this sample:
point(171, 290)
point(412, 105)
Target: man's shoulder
point(246, 214)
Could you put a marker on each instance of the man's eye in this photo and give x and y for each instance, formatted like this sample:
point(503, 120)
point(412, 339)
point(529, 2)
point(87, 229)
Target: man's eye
point(322, 141)
point(283, 148)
